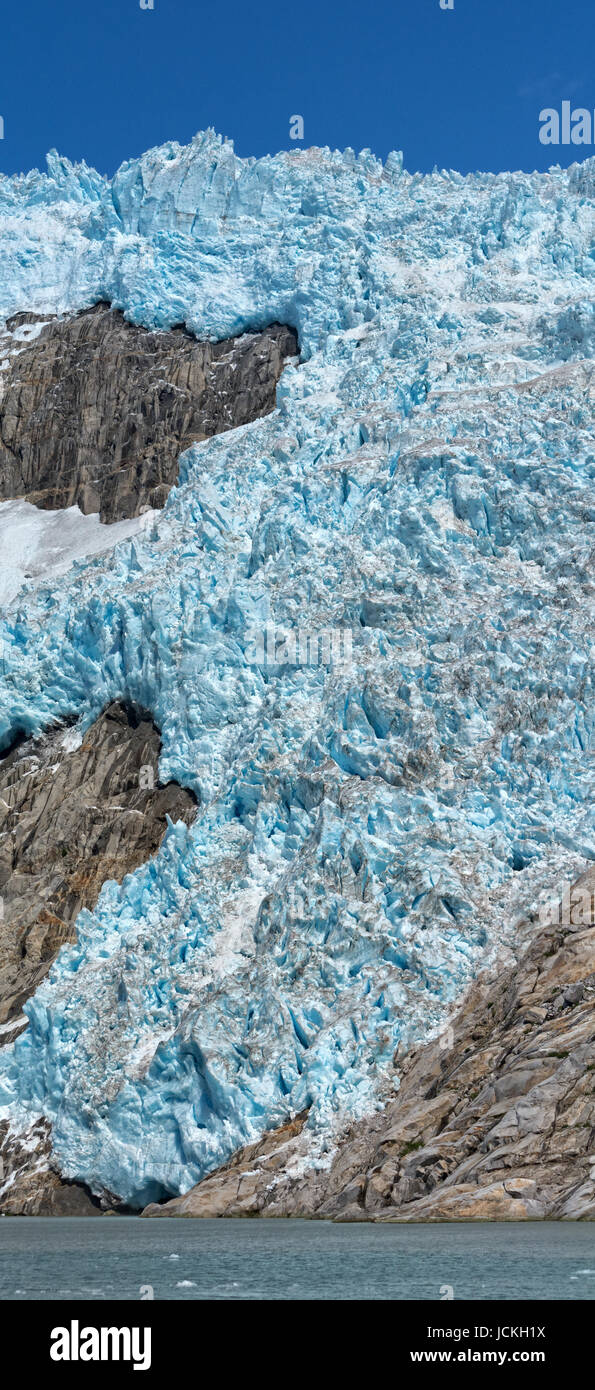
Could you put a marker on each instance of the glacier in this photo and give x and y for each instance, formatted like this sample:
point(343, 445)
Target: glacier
point(38, 544)
point(371, 832)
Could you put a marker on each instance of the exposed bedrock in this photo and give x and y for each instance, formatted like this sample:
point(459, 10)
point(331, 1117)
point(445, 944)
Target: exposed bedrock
point(72, 815)
point(30, 1184)
point(493, 1121)
point(96, 411)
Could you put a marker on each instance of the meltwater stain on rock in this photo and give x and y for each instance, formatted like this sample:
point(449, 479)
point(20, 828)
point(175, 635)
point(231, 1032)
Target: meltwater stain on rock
point(96, 411)
point(72, 817)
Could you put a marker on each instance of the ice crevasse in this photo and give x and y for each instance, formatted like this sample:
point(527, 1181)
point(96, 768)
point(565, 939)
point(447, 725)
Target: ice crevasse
point(370, 831)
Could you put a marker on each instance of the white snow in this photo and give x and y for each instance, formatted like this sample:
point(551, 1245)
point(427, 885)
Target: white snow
point(38, 545)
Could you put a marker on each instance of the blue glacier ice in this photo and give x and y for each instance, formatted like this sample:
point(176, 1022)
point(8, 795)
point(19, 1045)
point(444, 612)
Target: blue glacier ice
point(370, 831)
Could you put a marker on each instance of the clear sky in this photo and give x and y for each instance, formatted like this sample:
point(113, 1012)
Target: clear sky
point(103, 80)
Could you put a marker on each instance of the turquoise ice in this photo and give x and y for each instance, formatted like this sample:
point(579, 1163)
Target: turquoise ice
point(369, 833)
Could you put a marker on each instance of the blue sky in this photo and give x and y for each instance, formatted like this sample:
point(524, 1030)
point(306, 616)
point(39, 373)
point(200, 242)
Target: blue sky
point(104, 80)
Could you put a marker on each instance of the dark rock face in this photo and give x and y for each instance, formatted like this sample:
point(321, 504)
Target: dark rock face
point(70, 818)
point(96, 411)
point(494, 1121)
point(29, 1185)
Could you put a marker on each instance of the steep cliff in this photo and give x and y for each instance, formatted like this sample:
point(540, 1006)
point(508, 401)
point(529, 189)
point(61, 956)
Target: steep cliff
point(75, 811)
point(96, 411)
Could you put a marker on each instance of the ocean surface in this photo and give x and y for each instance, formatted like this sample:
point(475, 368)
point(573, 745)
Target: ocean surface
point(130, 1258)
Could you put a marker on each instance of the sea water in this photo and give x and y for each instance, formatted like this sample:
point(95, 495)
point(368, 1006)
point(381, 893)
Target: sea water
point(130, 1258)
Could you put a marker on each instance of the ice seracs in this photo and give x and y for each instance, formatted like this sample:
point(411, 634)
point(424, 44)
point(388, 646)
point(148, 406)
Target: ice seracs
point(367, 835)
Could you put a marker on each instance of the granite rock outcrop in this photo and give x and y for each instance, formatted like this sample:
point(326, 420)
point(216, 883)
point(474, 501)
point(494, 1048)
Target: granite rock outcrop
point(95, 411)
